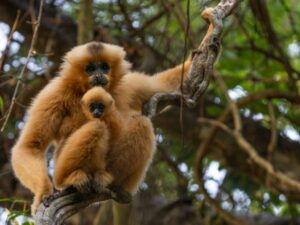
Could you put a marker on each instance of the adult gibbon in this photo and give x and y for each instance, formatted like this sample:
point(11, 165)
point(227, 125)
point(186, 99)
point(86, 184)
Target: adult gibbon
point(56, 113)
point(100, 153)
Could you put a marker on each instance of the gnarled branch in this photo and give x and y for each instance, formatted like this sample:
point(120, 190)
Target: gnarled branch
point(56, 208)
point(203, 59)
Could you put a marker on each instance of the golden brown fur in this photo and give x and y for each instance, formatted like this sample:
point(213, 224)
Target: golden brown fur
point(56, 113)
point(111, 148)
point(82, 161)
point(108, 149)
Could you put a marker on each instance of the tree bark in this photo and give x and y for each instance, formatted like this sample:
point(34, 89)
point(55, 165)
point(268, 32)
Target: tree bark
point(85, 22)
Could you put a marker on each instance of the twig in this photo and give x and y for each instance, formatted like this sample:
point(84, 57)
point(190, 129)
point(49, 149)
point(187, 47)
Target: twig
point(242, 102)
point(201, 152)
point(9, 39)
point(232, 105)
point(150, 107)
point(261, 162)
point(176, 8)
point(173, 164)
point(261, 13)
point(30, 53)
point(273, 139)
point(186, 35)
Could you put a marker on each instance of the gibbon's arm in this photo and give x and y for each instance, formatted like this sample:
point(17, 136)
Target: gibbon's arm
point(83, 156)
point(169, 80)
point(140, 88)
point(28, 154)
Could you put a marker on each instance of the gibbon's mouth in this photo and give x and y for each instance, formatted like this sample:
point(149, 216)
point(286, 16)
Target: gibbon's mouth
point(99, 81)
point(97, 114)
point(97, 109)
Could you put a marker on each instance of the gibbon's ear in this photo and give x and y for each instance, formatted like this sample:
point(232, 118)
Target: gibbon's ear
point(111, 102)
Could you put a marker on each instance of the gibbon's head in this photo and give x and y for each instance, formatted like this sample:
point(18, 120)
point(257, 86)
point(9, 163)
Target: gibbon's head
point(96, 102)
point(95, 64)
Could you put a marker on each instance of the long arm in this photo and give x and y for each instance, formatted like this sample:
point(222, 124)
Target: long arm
point(28, 155)
point(140, 87)
point(170, 80)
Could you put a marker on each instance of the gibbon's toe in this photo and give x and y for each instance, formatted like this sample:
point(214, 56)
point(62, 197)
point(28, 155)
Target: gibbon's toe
point(102, 180)
point(78, 179)
point(39, 196)
point(119, 194)
point(85, 186)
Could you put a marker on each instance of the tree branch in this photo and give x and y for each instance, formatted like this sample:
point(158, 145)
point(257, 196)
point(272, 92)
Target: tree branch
point(56, 208)
point(277, 176)
point(29, 55)
point(9, 40)
point(203, 59)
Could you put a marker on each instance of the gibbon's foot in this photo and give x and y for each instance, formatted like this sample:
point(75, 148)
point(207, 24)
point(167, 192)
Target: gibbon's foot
point(120, 195)
point(79, 180)
point(39, 196)
point(34, 207)
point(47, 200)
point(86, 186)
point(83, 182)
point(101, 180)
point(37, 201)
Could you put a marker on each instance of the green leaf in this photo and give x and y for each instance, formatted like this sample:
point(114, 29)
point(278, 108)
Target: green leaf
point(14, 215)
point(1, 103)
point(28, 223)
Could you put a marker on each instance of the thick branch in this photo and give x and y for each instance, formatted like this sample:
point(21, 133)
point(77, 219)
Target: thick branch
point(59, 206)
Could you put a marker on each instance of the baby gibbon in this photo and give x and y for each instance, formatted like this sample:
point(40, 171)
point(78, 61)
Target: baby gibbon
point(82, 161)
point(56, 113)
point(107, 148)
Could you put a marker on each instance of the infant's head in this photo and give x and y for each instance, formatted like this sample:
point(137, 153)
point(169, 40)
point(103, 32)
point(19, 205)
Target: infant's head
point(96, 102)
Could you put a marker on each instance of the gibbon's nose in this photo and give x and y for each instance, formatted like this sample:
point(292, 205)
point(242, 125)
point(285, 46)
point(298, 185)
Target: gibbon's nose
point(97, 113)
point(101, 79)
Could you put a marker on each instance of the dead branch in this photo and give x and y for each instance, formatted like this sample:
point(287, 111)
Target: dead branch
point(203, 59)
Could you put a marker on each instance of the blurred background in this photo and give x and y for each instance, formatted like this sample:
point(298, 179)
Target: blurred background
point(206, 171)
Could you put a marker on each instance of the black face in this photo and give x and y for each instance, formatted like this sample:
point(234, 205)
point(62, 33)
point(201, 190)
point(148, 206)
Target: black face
point(97, 109)
point(98, 72)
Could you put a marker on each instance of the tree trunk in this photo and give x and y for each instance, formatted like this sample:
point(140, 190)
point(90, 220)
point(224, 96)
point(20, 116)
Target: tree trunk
point(85, 22)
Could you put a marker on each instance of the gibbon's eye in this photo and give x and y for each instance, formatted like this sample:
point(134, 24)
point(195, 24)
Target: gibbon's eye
point(91, 68)
point(104, 67)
